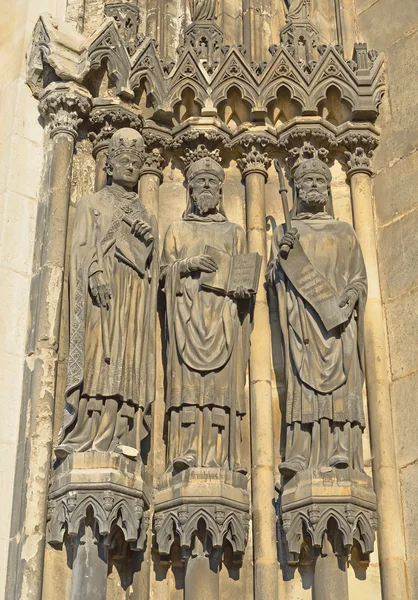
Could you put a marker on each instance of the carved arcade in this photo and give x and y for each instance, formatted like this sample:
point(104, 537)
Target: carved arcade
point(208, 108)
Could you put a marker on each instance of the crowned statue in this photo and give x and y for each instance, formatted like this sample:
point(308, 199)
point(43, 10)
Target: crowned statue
point(318, 271)
point(113, 282)
point(208, 329)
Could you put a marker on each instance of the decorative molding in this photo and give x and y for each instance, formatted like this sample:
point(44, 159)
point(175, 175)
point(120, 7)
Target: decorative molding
point(116, 490)
point(108, 116)
point(186, 498)
point(64, 106)
point(359, 150)
point(74, 57)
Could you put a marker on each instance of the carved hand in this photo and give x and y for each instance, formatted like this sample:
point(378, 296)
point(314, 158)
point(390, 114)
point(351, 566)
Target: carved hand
point(350, 297)
point(140, 228)
point(203, 263)
point(289, 238)
point(100, 290)
point(241, 293)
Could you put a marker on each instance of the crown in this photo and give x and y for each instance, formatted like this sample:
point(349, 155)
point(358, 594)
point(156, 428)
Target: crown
point(312, 165)
point(126, 140)
point(205, 165)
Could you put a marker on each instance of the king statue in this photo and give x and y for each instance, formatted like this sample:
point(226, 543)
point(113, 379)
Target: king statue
point(318, 271)
point(113, 282)
point(208, 331)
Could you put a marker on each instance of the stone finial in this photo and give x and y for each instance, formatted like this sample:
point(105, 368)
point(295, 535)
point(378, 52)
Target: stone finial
point(64, 106)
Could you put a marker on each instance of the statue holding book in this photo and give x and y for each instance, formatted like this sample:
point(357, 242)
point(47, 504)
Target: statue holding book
point(208, 282)
point(317, 268)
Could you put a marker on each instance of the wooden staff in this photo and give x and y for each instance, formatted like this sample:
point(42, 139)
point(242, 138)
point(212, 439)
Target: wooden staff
point(103, 309)
point(285, 249)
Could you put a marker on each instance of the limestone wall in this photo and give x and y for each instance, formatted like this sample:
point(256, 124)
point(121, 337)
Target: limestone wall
point(21, 157)
point(392, 26)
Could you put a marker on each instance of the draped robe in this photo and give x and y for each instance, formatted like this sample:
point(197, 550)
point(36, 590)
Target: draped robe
point(208, 346)
point(130, 267)
point(324, 377)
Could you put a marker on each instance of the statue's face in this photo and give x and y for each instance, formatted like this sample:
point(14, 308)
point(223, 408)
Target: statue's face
point(125, 169)
point(313, 189)
point(205, 192)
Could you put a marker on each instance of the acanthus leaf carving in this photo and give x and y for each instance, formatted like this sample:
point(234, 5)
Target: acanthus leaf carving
point(64, 106)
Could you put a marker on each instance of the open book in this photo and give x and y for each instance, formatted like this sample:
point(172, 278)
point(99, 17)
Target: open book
point(233, 271)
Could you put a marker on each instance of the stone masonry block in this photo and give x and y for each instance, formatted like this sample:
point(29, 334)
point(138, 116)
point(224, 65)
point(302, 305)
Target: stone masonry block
point(398, 256)
point(402, 322)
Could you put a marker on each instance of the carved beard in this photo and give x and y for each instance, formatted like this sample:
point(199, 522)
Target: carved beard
point(205, 202)
point(313, 198)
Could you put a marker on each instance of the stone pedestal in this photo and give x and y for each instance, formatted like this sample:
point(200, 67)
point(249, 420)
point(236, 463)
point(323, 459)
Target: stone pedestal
point(217, 496)
point(116, 488)
point(311, 498)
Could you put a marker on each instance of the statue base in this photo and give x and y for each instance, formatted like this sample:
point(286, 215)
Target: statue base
point(217, 496)
point(116, 489)
point(314, 496)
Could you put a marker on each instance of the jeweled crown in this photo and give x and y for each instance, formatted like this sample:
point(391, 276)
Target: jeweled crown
point(126, 140)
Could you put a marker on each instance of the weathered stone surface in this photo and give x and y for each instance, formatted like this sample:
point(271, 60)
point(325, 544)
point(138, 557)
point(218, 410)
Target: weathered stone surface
point(398, 253)
point(399, 108)
point(395, 188)
point(409, 492)
point(402, 323)
point(405, 418)
point(390, 29)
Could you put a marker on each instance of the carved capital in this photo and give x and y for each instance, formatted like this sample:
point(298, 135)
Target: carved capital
point(153, 164)
point(254, 161)
point(108, 118)
point(301, 143)
point(64, 106)
point(359, 149)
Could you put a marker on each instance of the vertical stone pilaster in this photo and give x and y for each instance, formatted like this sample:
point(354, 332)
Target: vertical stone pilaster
point(254, 164)
point(63, 107)
point(360, 145)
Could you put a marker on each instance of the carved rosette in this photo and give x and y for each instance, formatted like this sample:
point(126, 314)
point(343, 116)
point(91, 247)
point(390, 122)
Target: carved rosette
point(359, 149)
point(64, 106)
point(107, 118)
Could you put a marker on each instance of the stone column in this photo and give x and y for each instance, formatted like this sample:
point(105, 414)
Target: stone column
point(151, 179)
point(107, 116)
point(254, 166)
point(391, 535)
point(63, 106)
point(202, 569)
point(330, 574)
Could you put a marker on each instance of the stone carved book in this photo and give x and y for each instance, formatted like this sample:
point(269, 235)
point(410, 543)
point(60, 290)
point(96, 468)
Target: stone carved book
point(233, 271)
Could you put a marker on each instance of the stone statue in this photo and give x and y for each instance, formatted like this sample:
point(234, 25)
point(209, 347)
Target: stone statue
point(208, 332)
point(202, 10)
point(298, 9)
point(318, 270)
point(113, 281)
